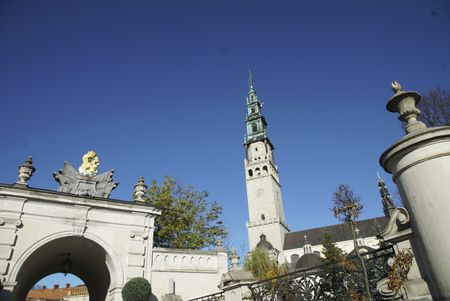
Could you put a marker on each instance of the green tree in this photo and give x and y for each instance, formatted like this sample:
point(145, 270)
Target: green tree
point(188, 220)
point(261, 266)
point(137, 289)
point(338, 270)
point(332, 254)
point(258, 263)
point(347, 207)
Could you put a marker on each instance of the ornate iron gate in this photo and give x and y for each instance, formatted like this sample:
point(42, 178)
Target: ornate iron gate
point(311, 285)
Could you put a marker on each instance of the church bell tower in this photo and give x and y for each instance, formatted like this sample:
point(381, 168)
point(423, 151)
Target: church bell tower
point(265, 205)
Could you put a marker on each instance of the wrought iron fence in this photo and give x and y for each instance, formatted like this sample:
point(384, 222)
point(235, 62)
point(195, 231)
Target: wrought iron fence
point(213, 297)
point(319, 283)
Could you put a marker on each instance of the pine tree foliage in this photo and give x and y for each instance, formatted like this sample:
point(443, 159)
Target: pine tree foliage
point(332, 254)
point(339, 271)
point(188, 220)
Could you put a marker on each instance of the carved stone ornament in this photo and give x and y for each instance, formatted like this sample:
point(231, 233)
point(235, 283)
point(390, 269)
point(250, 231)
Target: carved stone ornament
point(88, 184)
point(234, 259)
point(404, 103)
point(139, 190)
point(17, 223)
point(385, 292)
point(79, 226)
point(26, 171)
point(399, 221)
point(143, 234)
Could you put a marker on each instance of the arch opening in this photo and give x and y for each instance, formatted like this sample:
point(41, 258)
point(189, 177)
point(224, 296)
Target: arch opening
point(59, 286)
point(76, 255)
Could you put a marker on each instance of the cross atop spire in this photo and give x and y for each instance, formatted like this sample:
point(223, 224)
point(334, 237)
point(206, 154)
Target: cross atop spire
point(250, 80)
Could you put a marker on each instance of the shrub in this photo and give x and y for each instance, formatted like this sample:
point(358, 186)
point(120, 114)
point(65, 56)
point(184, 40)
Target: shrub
point(137, 289)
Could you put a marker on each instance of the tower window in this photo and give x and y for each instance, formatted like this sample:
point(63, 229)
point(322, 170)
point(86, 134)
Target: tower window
point(258, 171)
point(256, 149)
point(250, 173)
point(254, 127)
point(253, 110)
point(263, 217)
point(265, 169)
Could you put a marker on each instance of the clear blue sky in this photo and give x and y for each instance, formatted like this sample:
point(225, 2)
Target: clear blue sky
point(158, 88)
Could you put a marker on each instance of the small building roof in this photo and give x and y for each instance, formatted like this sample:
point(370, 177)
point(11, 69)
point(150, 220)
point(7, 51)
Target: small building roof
point(263, 243)
point(308, 260)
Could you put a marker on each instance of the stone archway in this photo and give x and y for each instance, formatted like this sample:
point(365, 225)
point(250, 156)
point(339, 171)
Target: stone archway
point(87, 260)
point(109, 241)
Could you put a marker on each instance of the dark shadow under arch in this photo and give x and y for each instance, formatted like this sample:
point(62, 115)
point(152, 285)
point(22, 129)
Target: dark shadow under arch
point(88, 262)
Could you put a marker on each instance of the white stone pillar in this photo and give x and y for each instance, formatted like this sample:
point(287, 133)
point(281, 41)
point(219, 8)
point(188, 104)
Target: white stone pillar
point(420, 165)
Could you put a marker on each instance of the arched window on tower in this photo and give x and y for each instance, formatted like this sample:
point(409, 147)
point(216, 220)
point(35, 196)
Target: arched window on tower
point(258, 171)
point(254, 127)
point(263, 217)
point(265, 169)
point(250, 173)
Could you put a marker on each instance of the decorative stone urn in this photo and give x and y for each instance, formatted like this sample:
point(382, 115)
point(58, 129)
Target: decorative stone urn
point(26, 171)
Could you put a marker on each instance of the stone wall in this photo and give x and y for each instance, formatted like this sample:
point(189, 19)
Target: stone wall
point(194, 272)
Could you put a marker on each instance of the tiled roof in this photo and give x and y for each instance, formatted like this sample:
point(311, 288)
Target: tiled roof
point(55, 293)
point(338, 232)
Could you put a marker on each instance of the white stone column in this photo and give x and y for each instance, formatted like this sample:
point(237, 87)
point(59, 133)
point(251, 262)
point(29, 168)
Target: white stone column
point(420, 165)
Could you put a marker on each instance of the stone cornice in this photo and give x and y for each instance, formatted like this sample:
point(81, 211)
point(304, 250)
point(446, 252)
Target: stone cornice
point(413, 141)
point(257, 223)
point(184, 251)
point(64, 198)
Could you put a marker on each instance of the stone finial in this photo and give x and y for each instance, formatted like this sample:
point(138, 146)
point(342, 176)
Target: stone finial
point(139, 190)
point(234, 259)
point(404, 103)
point(396, 87)
point(26, 171)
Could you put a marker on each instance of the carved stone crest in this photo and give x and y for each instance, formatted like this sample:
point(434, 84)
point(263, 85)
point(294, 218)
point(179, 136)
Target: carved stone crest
point(86, 182)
